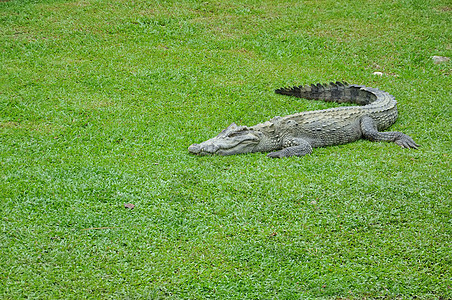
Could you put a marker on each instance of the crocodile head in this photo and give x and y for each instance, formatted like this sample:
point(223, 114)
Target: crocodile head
point(233, 140)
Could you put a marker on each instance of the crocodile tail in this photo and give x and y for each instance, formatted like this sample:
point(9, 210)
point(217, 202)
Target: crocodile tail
point(339, 92)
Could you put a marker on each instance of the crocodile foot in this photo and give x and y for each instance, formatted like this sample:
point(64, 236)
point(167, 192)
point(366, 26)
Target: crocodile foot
point(405, 141)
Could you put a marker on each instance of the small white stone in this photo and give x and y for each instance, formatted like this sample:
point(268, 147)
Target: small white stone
point(440, 59)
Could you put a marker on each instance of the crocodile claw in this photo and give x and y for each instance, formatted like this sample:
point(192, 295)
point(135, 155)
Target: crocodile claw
point(406, 141)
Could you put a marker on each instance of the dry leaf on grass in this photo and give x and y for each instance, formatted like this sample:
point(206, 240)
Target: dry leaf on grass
point(129, 205)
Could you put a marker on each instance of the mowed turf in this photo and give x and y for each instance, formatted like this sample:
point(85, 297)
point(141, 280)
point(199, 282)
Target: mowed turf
point(99, 101)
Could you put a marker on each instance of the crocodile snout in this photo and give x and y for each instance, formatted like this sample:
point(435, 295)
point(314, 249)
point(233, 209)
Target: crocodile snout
point(201, 149)
point(194, 148)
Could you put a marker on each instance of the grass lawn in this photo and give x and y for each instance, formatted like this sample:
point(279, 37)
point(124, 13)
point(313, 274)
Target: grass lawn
point(99, 101)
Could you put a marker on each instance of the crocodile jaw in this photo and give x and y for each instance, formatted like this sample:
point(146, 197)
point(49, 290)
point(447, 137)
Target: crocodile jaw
point(233, 140)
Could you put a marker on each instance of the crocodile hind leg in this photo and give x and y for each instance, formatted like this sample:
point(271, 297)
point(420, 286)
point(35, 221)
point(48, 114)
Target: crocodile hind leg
point(292, 147)
point(370, 132)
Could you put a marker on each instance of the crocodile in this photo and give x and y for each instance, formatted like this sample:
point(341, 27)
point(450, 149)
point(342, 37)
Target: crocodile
point(298, 134)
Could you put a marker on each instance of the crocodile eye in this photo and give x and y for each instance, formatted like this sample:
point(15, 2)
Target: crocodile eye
point(239, 131)
point(236, 133)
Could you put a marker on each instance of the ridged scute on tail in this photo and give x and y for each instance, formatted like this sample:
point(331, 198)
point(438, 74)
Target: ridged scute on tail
point(312, 91)
point(334, 91)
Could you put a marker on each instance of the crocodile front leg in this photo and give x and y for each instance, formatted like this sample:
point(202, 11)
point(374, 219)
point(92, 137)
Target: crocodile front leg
point(370, 132)
point(292, 147)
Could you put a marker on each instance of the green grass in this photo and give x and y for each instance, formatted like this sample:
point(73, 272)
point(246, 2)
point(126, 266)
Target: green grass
point(99, 101)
